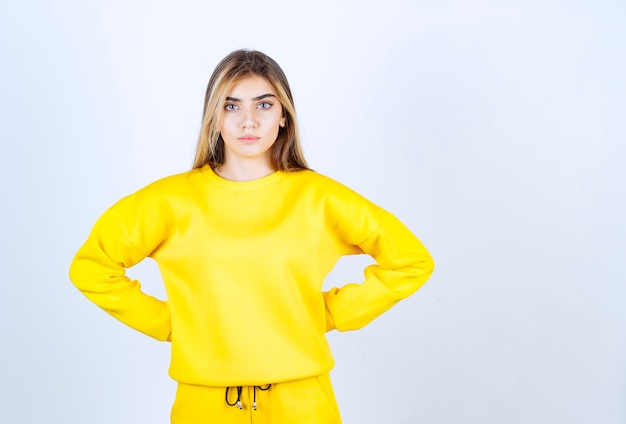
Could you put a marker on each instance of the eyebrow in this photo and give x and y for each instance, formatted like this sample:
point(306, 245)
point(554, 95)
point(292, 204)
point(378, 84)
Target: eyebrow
point(262, 96)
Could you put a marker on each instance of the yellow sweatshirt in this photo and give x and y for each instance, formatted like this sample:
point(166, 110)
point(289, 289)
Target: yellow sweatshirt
point(243, 265)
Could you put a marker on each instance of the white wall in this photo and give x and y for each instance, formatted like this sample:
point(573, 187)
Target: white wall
point(495, 130)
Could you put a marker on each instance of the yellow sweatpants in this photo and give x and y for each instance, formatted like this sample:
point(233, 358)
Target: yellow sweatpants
point(308, 401)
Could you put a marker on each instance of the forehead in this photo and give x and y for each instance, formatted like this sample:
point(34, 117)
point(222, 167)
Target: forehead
point(249, 87)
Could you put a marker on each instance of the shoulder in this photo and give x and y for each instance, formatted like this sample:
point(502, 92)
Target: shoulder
point(161, 193)
point(312, 180)
point(174, 183)
point(333, 194)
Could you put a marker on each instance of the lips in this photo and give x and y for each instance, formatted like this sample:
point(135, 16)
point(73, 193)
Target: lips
point(248, 139)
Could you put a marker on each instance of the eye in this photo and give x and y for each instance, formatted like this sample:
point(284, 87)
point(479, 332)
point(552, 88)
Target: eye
point(264, 105)
point(230, 107)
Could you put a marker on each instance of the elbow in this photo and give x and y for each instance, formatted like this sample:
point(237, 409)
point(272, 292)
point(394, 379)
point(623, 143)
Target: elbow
point(79, 272)
point(420, 273)
point(429, 264)
point(425, 268)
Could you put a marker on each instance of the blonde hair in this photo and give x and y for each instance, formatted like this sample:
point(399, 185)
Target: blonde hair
point(286, 152)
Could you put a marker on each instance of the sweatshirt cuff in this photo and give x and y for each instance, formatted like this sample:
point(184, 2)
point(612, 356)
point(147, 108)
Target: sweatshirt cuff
point(330, 322)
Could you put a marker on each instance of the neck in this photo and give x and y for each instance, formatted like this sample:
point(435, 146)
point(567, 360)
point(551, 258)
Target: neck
point(244, 170)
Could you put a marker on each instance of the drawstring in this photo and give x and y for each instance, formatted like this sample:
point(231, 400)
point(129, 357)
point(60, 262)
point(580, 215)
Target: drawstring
point(239, 390)
point(263, 389)
point(238, 401)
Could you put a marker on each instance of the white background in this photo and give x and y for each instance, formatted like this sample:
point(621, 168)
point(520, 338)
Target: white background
point(494, 129)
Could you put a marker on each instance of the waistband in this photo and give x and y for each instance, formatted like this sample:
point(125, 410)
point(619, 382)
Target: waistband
point(238, 402)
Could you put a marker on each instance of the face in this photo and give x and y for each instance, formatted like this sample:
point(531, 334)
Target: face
point(250, 121)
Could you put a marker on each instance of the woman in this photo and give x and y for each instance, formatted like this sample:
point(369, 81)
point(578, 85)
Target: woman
point(244, 241)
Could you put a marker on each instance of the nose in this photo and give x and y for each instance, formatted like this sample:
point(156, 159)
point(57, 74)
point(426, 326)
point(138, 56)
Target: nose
point(248, 119)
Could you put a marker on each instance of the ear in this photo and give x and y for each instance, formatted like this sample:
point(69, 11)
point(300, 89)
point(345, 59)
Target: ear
point(283, 121)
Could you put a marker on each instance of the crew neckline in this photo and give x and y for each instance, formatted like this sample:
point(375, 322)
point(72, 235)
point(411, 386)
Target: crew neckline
point(241, 185)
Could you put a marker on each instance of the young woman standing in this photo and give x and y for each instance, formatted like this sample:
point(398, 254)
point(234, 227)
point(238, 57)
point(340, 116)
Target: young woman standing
point(244, 241)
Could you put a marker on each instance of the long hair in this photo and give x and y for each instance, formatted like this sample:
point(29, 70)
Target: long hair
point(286, 152)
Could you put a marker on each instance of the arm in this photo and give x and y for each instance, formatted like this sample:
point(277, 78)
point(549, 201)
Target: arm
point(403, 265)
point(118, 241)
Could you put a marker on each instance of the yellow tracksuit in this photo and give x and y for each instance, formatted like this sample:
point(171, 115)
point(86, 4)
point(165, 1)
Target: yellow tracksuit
point(243, 265)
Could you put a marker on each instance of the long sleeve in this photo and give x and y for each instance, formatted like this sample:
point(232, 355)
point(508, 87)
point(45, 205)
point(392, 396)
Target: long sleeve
point(402, 266)
point(121, 238)
point(243, 264)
